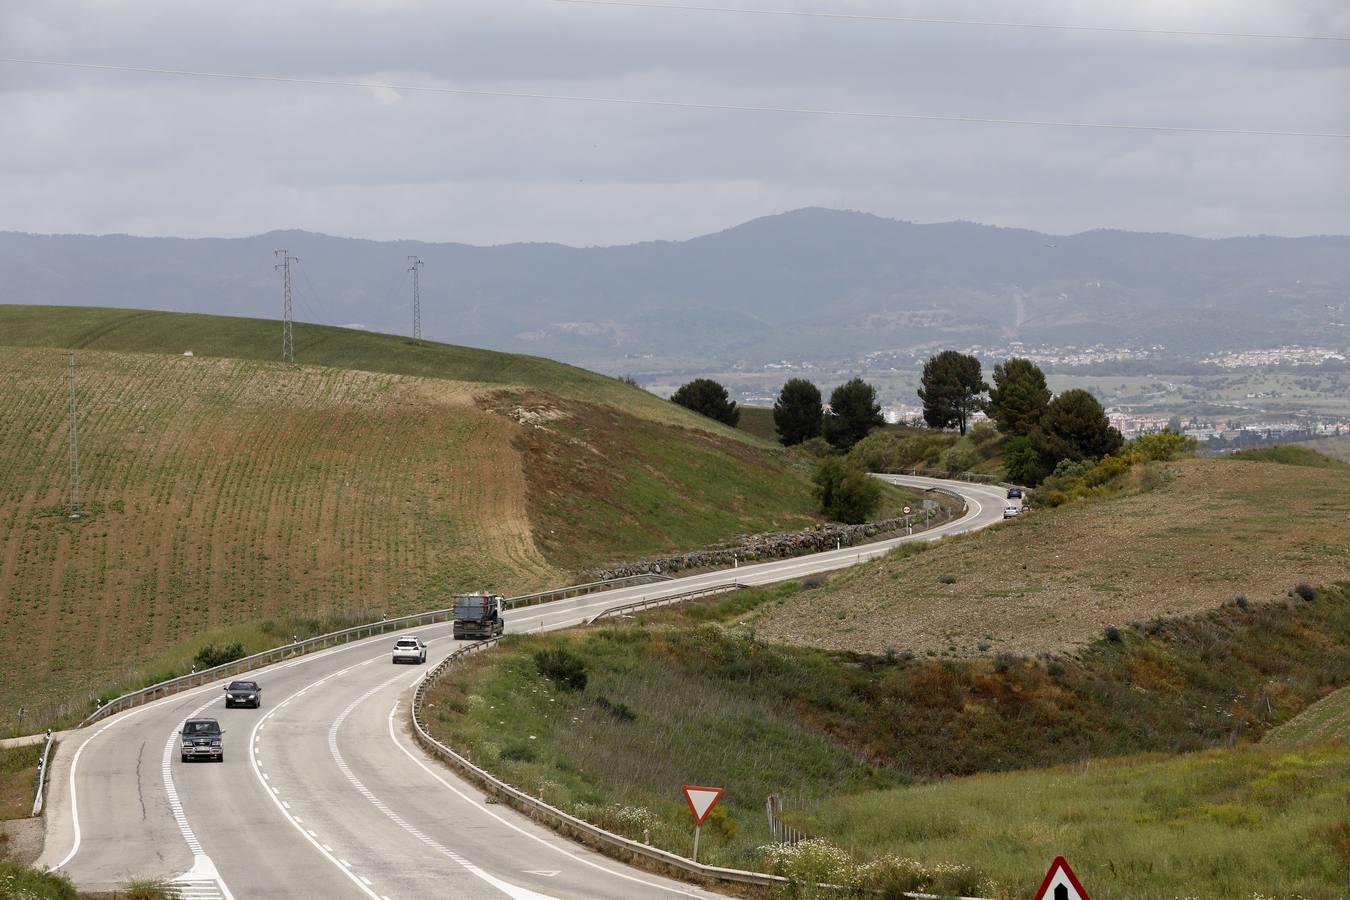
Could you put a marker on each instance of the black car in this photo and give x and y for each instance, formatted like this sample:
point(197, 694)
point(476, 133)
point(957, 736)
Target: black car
point(202, 737)
point(1014, 493)
point(243, 693)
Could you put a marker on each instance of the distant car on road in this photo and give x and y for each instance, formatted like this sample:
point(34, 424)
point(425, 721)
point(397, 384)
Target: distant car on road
point(202, 737)
point(243, 693)
point(1011, 512)
point(1014, 493)
point(410, 649)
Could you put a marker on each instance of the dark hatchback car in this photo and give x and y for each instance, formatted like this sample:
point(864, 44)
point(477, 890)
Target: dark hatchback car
point(202, 738)
point(1014, 493)
point(243, 693)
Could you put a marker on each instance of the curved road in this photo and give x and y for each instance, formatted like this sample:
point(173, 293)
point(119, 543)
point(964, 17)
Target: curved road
point(322, 791)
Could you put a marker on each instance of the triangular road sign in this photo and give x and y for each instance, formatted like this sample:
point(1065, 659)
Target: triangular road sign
point(701, 800)
point(1060, 883)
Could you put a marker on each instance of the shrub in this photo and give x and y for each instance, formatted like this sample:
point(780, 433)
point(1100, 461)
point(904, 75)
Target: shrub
point(811, 862)
point(563, 667)
point(1113, 634)
point(619, 711)
point(1240, 601)
point(518, 753)
point(1161, 445)
point(846, 492)
point(816, 447)
point(1305, 591)
point(947, 579)
point(960, 457)
point(211, 656)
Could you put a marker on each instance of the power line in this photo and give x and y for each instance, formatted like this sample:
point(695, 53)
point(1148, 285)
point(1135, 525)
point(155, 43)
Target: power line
point(916, 20)
point(681, 104)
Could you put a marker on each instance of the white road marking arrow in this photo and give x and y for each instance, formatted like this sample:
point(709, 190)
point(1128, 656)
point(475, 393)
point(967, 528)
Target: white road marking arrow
point(547, 873)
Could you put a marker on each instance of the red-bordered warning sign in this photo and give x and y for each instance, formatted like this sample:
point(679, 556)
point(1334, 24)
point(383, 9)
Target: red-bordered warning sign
point(1061, 884)
point(701, 800)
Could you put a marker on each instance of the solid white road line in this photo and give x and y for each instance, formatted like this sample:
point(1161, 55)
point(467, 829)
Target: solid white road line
point(203, 871)
point(512, 825)
point(325, 850)
point(513, 891)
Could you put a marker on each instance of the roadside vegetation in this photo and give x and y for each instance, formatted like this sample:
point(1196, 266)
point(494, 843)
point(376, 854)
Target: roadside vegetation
point(1254, 822)
point(18, 780)
point(24, 883)
point(694, 695)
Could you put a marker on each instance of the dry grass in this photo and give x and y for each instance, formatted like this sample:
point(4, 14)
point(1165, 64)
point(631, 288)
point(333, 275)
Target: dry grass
point(220, 492)
point(1211, 529)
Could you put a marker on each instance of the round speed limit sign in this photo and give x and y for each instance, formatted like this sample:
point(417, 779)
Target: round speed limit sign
point(907, 510)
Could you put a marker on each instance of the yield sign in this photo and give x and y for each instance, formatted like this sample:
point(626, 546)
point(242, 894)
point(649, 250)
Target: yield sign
point(701, 800)
point(1060, 883)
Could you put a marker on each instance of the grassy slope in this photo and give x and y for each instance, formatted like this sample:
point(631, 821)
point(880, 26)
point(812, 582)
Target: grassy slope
point(1258, 822)
point(1338, 447)
point(758, 420)
point(1208, 530)
point(1325, 722)
point(706, 703)
point(142, 331)
point(221, 494)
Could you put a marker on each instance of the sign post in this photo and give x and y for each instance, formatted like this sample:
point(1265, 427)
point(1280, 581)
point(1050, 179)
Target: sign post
point(701, 801)
point(1061, 884)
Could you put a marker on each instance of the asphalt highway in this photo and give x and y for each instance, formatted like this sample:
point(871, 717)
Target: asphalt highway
point(322, 793)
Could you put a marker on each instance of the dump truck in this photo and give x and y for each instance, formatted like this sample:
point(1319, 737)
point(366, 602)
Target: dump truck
point(478, 616)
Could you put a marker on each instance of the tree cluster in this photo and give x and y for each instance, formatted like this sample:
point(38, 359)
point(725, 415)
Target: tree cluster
point(799, 415)
point(1043, 431)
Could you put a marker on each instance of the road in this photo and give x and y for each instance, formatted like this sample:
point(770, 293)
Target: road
point(323, 793)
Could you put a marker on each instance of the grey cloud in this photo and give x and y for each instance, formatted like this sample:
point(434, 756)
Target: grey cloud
point(104, 151)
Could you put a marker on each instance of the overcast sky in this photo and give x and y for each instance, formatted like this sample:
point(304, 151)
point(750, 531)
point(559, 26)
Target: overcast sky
point(105, 151)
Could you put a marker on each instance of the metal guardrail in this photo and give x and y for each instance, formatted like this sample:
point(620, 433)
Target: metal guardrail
point(616, 845)
point(333, 638)
point(971, 477)
point(554, 817)
point(654, 602)
point(42, 774)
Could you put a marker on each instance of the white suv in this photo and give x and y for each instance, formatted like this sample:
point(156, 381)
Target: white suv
point(410, 649)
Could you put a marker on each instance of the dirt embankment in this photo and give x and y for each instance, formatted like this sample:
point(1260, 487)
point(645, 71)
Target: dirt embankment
point(1054, 580)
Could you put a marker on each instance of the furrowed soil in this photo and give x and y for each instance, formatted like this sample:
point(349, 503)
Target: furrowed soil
point(1206, 531)
point(222, 497)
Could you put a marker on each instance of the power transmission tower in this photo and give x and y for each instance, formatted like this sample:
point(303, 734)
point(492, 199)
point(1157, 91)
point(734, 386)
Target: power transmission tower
point(74, 442)
point(415, 269)
point(287, 342)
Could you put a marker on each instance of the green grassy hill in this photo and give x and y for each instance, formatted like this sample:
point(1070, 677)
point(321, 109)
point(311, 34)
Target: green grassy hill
point(238, 499)
point(144, 331)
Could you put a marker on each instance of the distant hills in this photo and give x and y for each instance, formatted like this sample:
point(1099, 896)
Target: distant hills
point(814, 282)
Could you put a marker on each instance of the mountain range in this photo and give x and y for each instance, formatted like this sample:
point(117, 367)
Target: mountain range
point(813, 283)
